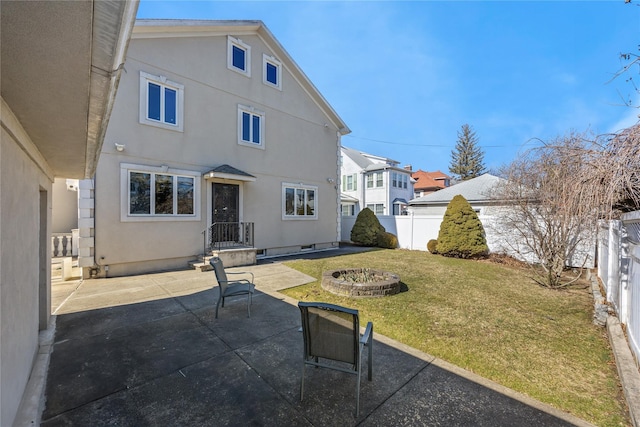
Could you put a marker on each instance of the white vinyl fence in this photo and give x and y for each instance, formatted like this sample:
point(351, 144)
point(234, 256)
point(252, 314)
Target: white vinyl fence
point(415, 231)
point(619, 270)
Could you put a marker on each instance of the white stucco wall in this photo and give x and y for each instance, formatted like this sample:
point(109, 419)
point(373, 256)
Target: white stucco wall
point(300, 146)
point(64, 215)
point(25, 196)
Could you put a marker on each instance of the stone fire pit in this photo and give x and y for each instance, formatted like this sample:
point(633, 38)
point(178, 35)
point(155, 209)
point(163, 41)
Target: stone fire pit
point(360, 282)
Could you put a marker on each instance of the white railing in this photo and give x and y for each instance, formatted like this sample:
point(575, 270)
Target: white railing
point(619, 270)
point(64, 244)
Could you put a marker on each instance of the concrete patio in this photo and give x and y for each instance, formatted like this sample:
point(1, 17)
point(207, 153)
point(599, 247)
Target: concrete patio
point(147, 351)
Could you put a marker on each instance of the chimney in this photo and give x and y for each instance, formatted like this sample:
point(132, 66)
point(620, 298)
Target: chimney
point(408, 168)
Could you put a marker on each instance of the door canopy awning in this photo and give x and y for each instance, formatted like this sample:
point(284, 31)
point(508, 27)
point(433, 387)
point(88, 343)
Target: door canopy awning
point(230, 173)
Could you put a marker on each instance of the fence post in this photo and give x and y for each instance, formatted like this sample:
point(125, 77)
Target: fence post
point(613, 277)
point(625, 290)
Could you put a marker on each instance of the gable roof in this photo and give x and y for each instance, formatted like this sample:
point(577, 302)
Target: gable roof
point(157, 28)
point(429, 180)
point(365, 162)
point(474, 190)
point(229, 172)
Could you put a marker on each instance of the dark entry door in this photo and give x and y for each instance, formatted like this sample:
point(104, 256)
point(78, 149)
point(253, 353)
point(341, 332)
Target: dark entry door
point(225, 211)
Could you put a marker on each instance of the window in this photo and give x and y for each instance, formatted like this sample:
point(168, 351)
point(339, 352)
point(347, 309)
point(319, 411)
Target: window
point(238, 56)
point(399, 208)
point(271, 72)
point(399, 180)
point(378, 179)
point(299, 201)
point(161, 102)
point(250, 126)
point(377, 208)
point(350, 182)
point(152, 193)
point(374, 179)
point(348, 209)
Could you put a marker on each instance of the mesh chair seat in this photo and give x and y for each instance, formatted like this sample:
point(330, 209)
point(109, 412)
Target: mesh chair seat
point(229, 288)
point(332, 333)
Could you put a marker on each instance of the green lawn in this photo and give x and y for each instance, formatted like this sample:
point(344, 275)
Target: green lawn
point(492, 320)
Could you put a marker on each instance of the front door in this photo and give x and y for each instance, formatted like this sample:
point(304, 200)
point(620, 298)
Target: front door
point(225, 211)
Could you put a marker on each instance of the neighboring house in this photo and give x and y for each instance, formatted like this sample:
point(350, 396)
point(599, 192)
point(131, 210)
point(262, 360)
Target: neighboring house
point(429, 182)
point(60, 64)
point(477, 191)
point(373, 182)
point(214, 123)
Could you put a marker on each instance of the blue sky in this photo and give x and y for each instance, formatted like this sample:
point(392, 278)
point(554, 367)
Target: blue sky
point(406, 75)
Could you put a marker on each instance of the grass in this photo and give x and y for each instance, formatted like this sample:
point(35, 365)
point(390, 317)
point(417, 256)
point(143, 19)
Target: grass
point(492, 320)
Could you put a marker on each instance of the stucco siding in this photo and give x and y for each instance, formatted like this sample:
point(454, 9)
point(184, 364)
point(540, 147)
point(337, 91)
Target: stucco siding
point(64, 216)
point(21, 183)
point(300, 147)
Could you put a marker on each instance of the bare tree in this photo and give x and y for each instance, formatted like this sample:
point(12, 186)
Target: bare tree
point(556, 194)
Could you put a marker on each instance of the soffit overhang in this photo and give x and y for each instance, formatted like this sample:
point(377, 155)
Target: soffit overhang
point(60, 65)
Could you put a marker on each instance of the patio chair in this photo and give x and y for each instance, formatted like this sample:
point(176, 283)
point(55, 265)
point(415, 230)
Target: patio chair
point(332, 332)
point(229, 288)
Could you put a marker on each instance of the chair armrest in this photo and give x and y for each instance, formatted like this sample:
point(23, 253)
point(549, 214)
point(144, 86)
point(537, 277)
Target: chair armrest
point(241, 272)
point(368, 334)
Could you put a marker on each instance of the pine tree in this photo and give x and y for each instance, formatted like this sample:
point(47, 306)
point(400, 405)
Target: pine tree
point(467, 159)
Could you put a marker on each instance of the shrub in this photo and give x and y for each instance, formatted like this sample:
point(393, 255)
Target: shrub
point(387, 240)
point(432, 246)
point(461, 233)
point(366, 228)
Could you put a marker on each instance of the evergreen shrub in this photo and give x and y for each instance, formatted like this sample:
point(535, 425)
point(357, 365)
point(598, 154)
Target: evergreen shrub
point(387, 240)
point(461, 232)
point(366, 228)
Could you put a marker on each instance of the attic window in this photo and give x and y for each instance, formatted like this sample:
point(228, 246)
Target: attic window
point(238, 56)
point(271, 72)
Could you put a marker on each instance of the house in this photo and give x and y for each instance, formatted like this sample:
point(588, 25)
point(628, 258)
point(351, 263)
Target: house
point(429, 182)
point(477, 191)
point(217, 139)
point(60, 65)
point(373, 182)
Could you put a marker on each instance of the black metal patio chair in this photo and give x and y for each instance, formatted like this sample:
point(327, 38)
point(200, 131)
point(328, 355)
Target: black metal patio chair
point(229, 288)
point(332, 332)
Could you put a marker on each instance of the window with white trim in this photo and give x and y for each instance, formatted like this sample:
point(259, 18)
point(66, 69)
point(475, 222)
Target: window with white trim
point(350, 182)
point(150, 192)
point(299, 201)
point(377, 208)
point(348, 209)
point(374, 179)
point(250, 126)
point(238, 56)
point(161, 102)
point(399, 180)
point(271, 71)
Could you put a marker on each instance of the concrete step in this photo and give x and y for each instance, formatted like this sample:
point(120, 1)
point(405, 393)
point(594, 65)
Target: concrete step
point(201, 264)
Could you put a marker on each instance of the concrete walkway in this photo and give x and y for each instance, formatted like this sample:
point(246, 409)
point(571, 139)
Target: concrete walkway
point(147, 351)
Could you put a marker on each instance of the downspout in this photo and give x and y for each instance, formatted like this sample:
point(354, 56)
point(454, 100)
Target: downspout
point(338, 189)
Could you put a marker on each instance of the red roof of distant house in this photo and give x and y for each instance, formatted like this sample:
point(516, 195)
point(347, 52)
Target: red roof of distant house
point(429, 181)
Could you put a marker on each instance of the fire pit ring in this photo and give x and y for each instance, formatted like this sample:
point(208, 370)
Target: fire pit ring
point(360, 282)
